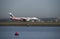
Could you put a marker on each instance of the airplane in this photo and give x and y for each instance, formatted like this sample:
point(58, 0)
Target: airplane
point(32, 19)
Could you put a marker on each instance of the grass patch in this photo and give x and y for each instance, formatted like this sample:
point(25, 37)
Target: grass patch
point(29, 24)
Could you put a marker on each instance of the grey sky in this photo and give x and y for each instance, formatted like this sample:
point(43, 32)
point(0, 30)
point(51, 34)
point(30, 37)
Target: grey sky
point(39, 8)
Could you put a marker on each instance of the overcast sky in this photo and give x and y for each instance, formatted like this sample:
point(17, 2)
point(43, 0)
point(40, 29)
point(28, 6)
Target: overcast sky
point(39, 8)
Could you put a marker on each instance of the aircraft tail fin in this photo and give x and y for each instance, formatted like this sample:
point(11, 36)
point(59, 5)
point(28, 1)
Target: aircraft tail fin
point(11, 15)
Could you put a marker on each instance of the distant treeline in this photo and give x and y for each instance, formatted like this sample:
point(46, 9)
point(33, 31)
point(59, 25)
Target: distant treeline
point(48, 19)
point(3, 20)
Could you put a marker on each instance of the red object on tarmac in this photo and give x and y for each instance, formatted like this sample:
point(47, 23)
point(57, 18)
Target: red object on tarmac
point(17, 33)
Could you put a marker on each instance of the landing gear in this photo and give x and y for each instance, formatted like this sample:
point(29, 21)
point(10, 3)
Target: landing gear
point(24, 20)
point(33, 20)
